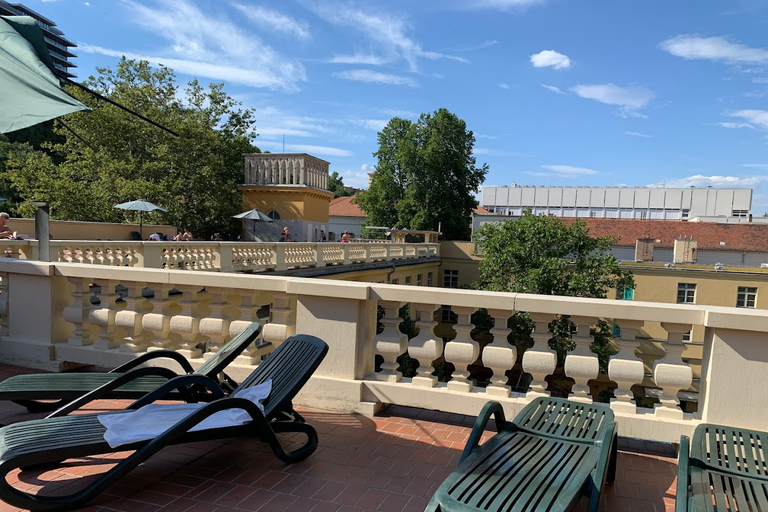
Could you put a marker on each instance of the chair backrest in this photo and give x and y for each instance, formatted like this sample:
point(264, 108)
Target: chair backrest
point(564, 419)
point(731, 450)
point(135, 235)
point(290, 366)
point(226, 354)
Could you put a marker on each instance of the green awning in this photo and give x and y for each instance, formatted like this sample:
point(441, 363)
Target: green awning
point(29, 91)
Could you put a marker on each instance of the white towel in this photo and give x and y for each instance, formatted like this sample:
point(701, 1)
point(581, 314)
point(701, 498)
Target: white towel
point(152, 420)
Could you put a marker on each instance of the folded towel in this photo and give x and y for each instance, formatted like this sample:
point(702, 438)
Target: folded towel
point(152, 420)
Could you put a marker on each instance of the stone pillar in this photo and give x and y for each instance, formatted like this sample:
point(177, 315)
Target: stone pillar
point(462, 350)
point(390, 343)
point(130, 318)
point(625, 368)
point(215, 326)
point(187, 323)
point(671, 373)
point(426, 346)
point(539, 360)
point(42, 231)
point(582, 364)
point(78, 312)
point(283, 321)
point(103, 315)
point(499, 355)
point(158, 321)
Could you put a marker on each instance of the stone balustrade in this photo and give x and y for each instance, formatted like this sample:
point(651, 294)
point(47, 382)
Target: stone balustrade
point(59, 313)
point(217, 256)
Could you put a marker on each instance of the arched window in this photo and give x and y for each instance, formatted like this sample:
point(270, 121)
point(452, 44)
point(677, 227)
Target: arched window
point(273, 215)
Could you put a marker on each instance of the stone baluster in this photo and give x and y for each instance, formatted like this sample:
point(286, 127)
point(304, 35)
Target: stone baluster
point(250, 303)
point(499, 355)
point(625, 368)
point(390, 343)
point(187, 322)
point(283, 321)
point(425, 346)
point(462, 350)
point(158, 321)
point(130, 318)
point(103, 315)
point(215, 326)
point(582, 364)
point(78, 313)
point(4, 327)
point(539, 360)
point(671, 373)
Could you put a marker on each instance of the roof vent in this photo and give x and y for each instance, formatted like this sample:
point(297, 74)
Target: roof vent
point(719, 266)
point(669, 265)
point(764, 265)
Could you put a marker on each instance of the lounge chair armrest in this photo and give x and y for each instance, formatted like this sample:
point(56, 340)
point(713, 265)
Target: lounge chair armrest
point(106, 388)
point(170, 354)
point(491, 407)
point(183, 383)
point(683, 473)
point(607, 444)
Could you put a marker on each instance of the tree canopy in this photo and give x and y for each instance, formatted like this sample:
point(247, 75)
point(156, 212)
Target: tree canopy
point(547, 255)
point(107, 156)
point(425, 176)
point(336, 185)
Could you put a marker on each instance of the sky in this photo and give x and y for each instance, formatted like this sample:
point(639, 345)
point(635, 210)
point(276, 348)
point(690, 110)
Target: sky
point(556, 92)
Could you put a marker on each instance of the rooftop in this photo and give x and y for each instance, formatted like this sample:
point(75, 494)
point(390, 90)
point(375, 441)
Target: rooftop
point(344, 207)
point(391, 462)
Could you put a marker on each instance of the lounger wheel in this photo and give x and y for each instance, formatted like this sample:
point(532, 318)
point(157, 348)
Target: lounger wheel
point(41, 406)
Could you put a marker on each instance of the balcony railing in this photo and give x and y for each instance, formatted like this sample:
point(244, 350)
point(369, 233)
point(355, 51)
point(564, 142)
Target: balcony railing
point(56, 313)
point(217, 256)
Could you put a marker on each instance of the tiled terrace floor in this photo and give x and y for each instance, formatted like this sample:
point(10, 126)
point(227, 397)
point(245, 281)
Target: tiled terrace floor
point(393, 462)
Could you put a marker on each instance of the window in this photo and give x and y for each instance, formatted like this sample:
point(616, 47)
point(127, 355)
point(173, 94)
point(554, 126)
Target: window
point(687, 336)
point(746, 297)
point(686, 213)
point(418, 280)
point(686, 293)
point(450, 278)
point(429, 278)
point(273, 215)
point(447, 316)
point(395, 281)
point(408, 280)
point(625, 294)
point(740, 213)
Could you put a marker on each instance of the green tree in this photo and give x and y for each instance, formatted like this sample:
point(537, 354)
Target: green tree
point(108, 156)
point(336, 185)
point(425, 176)
point(546, 255)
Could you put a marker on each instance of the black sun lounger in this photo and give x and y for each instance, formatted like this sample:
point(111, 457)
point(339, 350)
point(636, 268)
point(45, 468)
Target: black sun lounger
point(51, 440)
point(48, 391)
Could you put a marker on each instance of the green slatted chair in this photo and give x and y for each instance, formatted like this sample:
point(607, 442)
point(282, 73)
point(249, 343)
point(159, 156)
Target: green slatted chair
point(48, 441)
point(49, 391)
point(726, 470)
point(554, 452)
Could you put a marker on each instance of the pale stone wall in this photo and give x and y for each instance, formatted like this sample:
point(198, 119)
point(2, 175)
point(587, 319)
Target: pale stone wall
point(71, 230)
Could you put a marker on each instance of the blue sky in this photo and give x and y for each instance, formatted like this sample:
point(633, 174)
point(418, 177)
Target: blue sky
point(557, 92)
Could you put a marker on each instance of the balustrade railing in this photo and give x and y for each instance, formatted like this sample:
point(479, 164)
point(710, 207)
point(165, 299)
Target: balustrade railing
point(443, 360)
point(216, 256)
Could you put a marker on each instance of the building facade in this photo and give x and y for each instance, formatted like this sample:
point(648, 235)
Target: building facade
point(618, 202)
point(58, 45)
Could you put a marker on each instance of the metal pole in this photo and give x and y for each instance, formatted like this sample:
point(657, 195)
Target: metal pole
point(42, 231)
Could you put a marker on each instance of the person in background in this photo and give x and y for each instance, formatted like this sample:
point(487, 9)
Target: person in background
point(285, 236)
point(178, 236)
point(216, 237)
point(6, 233)
point(155, 237)
point(345, 237)
point(321, 237)
point(187, 236)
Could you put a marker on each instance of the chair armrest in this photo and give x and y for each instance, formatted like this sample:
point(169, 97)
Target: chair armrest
point(491, 407)
point(607, 445)
point(170, 354)
point(110, 386)
point(183, 383)
point(683, 474)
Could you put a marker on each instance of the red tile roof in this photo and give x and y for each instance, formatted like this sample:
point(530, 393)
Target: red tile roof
point(708, 235)
point(480, 209)
point(343, 207)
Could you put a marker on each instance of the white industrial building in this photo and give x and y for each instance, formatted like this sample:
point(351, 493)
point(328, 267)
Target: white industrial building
point(619, 202)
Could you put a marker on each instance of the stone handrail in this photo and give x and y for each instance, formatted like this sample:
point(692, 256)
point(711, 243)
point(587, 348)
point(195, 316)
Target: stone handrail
point(52, 313)
point(217, 256)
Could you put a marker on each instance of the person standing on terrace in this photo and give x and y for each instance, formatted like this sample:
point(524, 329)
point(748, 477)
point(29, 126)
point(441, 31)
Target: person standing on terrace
point(6, 233)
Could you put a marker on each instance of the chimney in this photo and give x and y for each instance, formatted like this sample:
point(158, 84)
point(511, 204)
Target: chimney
point(644, 249)
point(685, 250)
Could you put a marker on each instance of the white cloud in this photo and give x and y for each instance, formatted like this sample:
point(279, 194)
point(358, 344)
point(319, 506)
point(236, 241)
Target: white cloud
point(553, 88)
point(638, 134)
point(502, 5)
point(239, 75)
point(699, 180)
point(306, 148)
point(758, 166)
point(628, 99)
point(359, 58)
point(404, 114)
point(504, 86)
point(755, 119)
point(371, 124)
point(357, 178)
point(565, 171)
point(717, 48)
point(274, 20)
point(388, 33)
point(550, 59)
point(278, 123)
point(368, 76)
point(209, 46)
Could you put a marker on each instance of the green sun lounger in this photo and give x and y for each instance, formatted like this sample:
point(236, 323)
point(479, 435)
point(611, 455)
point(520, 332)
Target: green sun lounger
point(48, 441)
point(554, 452)
point(726, 470)
point(49, 391)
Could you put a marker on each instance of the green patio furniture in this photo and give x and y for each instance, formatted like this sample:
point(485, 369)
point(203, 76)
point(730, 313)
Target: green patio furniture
point(49, 441)
point(49, 391)
point(722, 469)
point(554, 452)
